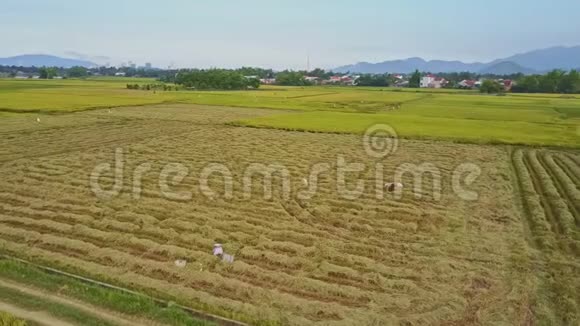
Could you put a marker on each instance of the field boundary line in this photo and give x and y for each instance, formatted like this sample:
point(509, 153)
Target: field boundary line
point(194, 312)
point(314, 95)
point(419, 98)
point(494, 142)
point(89, 108)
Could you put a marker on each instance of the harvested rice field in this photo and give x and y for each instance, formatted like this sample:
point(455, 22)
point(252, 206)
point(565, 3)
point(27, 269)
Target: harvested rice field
point(328, 248)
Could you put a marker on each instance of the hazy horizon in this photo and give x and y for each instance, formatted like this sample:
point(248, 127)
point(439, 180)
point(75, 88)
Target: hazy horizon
point(282, 34)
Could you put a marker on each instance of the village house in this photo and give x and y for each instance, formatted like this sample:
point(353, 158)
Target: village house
point(343, 80)
point(401, 83)
point(22, 75)
point(432, 81)
point(312, 79)
point(467, 84)
point(506, 83)
point(268, 81)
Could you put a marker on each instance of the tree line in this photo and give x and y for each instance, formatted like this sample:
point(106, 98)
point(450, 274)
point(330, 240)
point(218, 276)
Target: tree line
point(221, 79)
point(556, 81)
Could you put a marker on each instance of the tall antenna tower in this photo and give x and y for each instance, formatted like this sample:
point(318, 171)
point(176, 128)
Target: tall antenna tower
point(307, 62)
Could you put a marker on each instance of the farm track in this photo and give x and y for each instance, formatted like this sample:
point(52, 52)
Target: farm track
point(89, 309)
point(39, 318)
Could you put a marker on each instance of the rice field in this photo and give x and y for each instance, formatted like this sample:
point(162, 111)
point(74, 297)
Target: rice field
point(425, 256)
point(326, 260)
point(455, 115)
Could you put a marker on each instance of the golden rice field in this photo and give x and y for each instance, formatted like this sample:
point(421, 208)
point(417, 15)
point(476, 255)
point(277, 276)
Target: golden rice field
point(508, 258)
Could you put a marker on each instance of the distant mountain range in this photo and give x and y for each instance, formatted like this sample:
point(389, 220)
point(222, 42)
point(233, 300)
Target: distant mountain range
point(537, 61)
point(40, 60)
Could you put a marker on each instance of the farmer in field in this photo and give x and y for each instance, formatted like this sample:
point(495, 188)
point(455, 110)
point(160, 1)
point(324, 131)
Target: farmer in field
point(218, 250)
point(392, 186)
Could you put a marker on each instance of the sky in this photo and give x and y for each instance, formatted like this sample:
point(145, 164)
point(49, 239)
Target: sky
point(282, 34)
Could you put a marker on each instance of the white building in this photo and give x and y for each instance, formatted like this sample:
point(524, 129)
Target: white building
point(432, 81)
point(268, 81)
point(427, 80)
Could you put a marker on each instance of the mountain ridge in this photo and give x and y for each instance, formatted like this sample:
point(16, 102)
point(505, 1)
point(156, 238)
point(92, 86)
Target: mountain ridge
point(535, 61)
point(40, 60)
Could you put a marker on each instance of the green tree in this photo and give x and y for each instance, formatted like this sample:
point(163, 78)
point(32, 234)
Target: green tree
point(259, 72)
point(47, 72)
point(253, 83)
point(77, 72)
point(415, 80)
point(549, 82)
point(569, 83)
point(556, 81)
point(381, 80)
point(490, 87)
point(221, 79)
point(291, 78)
point(527, 84)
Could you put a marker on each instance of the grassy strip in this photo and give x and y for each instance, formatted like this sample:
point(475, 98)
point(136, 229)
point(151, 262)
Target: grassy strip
point(418, 126)
point(57, 310)
point(80, 109)
point(468, 141)
point(7, 319)
point(114, 300)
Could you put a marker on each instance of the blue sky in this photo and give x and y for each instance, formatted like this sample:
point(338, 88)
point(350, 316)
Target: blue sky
point(280, 34)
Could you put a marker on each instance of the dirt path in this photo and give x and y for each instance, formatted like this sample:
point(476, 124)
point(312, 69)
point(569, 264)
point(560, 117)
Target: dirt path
point(39, 317)
point(87, 308)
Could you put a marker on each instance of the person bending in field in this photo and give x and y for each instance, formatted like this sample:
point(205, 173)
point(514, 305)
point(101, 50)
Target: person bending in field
point(391, 187)
point(218, 251)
